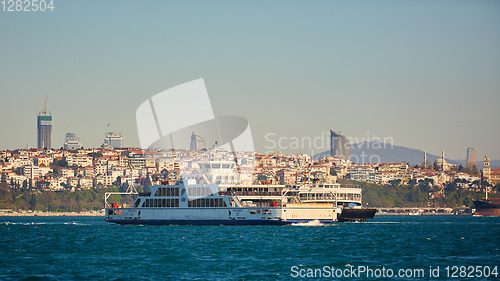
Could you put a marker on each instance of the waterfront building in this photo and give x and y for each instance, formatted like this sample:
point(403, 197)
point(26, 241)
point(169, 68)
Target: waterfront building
point(197, 142)
point(471, 157)
point(495, 176)
point(362, 173)
point(340, 146)
point(113, 139)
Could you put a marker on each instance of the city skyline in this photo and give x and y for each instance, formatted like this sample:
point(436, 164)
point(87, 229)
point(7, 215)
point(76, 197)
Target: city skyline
point(422, 73)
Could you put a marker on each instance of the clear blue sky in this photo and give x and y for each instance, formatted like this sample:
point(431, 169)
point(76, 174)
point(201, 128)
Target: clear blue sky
point(424, 73)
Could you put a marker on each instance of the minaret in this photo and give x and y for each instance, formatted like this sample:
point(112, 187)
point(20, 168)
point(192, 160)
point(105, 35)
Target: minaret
point(425, 158)
point(442, 157)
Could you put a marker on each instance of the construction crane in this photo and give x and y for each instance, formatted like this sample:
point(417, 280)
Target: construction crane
point(45, 108)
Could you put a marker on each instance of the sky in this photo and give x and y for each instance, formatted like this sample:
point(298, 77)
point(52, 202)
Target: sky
point(420, 74)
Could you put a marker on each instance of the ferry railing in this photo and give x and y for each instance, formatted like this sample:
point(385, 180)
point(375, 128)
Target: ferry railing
point(131, 190)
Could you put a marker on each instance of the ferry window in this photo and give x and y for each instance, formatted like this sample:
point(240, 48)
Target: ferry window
point(207, 190)
point(168, 203)
point(164, 203)
point(215, 166)
point(176, 191)
point(211, 202)
point(163, 192)
point(156, 193)
point(176, 202)
point(168, 191)
point(189, 203)
point(155, 204)
point(110, 212)
point(146, 203)
point(137, 202)
point(198, 203)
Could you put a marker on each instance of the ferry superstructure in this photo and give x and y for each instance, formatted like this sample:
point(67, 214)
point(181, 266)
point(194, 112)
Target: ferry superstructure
point(180, 203)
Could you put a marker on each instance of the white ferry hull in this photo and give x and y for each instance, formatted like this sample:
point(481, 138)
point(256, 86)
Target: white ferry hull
point(218, 216)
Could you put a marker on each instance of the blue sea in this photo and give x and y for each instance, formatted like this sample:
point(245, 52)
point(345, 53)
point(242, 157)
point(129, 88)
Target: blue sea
point(409, 247)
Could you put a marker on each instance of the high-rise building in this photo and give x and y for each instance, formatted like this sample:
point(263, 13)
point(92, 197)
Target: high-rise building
point(340, 146)
point(197, 142)
point(113, 139)
point(471, 157)
point(44, 127)
point(71, 141)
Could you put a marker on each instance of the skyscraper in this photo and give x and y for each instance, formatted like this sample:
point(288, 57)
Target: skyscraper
point(71, 141)
point(44, 127)
point(340, 146)
point(113, 139)
point(197, 142)
point(471, 157)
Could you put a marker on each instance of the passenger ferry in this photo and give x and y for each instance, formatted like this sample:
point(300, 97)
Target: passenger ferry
point(220, 196)
point(181, 203)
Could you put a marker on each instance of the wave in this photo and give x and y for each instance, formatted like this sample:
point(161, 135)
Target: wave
point(22, 223)
point(309, 223)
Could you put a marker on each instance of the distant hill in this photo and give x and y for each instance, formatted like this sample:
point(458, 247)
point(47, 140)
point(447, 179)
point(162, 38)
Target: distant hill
point(374, 152)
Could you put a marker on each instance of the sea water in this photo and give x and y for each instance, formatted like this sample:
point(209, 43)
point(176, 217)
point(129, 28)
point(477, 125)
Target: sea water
point(87, 248)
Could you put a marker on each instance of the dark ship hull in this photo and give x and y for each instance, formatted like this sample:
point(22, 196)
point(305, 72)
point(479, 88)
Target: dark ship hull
point(351, 214)
point(487, 208)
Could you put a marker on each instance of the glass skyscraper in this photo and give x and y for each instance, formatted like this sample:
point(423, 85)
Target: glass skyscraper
point(44, 126)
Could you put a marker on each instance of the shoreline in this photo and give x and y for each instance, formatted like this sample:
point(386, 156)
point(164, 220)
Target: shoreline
point(52, 214)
